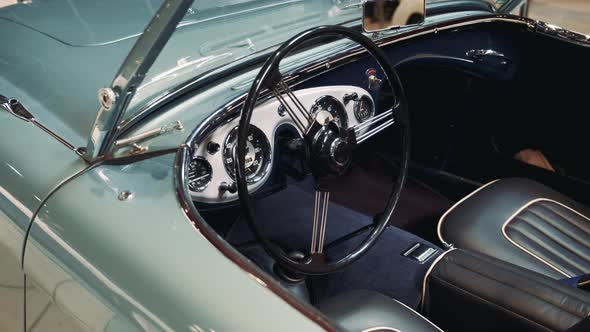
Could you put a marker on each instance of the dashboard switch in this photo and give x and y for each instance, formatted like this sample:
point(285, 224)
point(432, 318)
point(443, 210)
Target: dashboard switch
point(350, 97)
point(232, 188)
point(213, 147)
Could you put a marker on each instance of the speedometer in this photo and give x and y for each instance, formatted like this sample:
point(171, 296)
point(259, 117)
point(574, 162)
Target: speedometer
point(258, 155)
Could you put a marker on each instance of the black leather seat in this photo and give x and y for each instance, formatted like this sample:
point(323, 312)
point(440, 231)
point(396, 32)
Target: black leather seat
point(522, 222)
point(367, 311)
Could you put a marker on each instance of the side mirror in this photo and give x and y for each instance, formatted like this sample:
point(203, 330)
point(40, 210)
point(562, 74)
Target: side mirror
point(386, 14)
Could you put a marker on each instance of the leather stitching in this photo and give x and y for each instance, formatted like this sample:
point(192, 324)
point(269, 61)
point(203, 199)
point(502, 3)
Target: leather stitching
point(560, 225)
point(563, 261)
point(568, 219)
point(516, 244)
point(554, 239)
point(540, 249)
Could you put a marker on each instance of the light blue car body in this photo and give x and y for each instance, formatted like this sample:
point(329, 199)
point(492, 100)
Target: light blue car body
point(93, 259)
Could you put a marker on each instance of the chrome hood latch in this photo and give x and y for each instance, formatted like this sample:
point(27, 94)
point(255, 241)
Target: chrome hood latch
point(14, 107)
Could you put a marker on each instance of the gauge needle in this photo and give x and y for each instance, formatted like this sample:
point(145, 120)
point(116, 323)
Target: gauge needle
point(200, 177)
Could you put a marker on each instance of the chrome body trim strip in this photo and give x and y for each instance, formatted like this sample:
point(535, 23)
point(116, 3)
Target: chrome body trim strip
point(44, 201)
point(442, 218)
point(428, 274)
point(183, 158)
point(526, 250)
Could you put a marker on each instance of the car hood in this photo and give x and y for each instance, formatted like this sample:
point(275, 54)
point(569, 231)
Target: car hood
point(63, 51)
point(84, 23)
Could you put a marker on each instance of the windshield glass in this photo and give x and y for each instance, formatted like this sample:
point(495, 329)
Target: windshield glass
point(214, 33)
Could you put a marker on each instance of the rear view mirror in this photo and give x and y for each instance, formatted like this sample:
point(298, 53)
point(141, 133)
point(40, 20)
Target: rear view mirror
point(386, 14)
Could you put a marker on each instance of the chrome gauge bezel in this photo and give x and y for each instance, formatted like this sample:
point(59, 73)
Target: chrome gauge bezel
point(208, 165)
point(231, 152)
point(357, 108)
point(341, 109)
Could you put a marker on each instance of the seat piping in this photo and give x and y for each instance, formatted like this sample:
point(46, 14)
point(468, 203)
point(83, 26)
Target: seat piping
point(442, 218)
point(513, 216)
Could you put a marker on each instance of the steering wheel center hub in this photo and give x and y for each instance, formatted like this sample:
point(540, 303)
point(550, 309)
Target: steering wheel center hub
point(331, 151)
point(340, 152)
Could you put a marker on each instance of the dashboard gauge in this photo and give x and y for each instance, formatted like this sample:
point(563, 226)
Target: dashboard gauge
point(258, 154)
point(364, 109)
point(199, 174)
point(334, 107)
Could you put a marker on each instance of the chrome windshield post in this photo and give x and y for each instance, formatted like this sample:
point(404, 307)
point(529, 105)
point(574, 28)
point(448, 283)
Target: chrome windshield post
point(115, 99)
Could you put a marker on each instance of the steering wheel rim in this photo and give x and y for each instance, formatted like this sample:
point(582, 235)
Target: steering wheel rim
point(270, 69)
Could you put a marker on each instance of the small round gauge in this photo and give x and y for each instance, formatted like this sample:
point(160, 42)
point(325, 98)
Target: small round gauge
point(364, 109)
point(258, 155)
point(199, 174)
point(334, 107)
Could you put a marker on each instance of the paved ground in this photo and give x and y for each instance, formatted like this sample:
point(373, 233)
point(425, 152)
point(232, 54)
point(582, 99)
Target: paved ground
point(570, 14)
point(4, 3)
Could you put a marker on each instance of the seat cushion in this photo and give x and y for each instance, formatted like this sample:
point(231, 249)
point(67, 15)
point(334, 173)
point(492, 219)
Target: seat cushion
point(522, 222)
point(368, 311)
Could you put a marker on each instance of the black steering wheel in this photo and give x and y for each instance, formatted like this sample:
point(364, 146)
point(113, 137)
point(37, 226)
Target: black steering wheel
point(328, 147)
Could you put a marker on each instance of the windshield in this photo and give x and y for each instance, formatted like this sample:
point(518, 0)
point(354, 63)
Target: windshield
point(215, 33)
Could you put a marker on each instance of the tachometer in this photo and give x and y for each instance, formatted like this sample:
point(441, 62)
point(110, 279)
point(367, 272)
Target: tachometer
point(199, 174)
point(258, 155)
point(334, 107)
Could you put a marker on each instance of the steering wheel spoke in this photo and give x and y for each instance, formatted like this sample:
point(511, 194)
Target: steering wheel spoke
point(320, 219)
point(293, 106)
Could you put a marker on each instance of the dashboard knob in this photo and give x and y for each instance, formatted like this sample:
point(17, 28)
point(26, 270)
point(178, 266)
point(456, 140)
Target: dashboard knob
point(232, 188)
point(350, 97)
point(213, 147)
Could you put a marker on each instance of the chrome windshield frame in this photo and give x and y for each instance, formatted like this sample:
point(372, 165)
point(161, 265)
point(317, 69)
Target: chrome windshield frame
point(115, 99)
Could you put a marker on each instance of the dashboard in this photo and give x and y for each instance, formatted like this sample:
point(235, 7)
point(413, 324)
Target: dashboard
point(211, 173)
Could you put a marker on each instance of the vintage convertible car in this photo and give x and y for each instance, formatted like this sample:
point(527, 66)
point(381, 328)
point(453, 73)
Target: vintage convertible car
point(249, 167)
